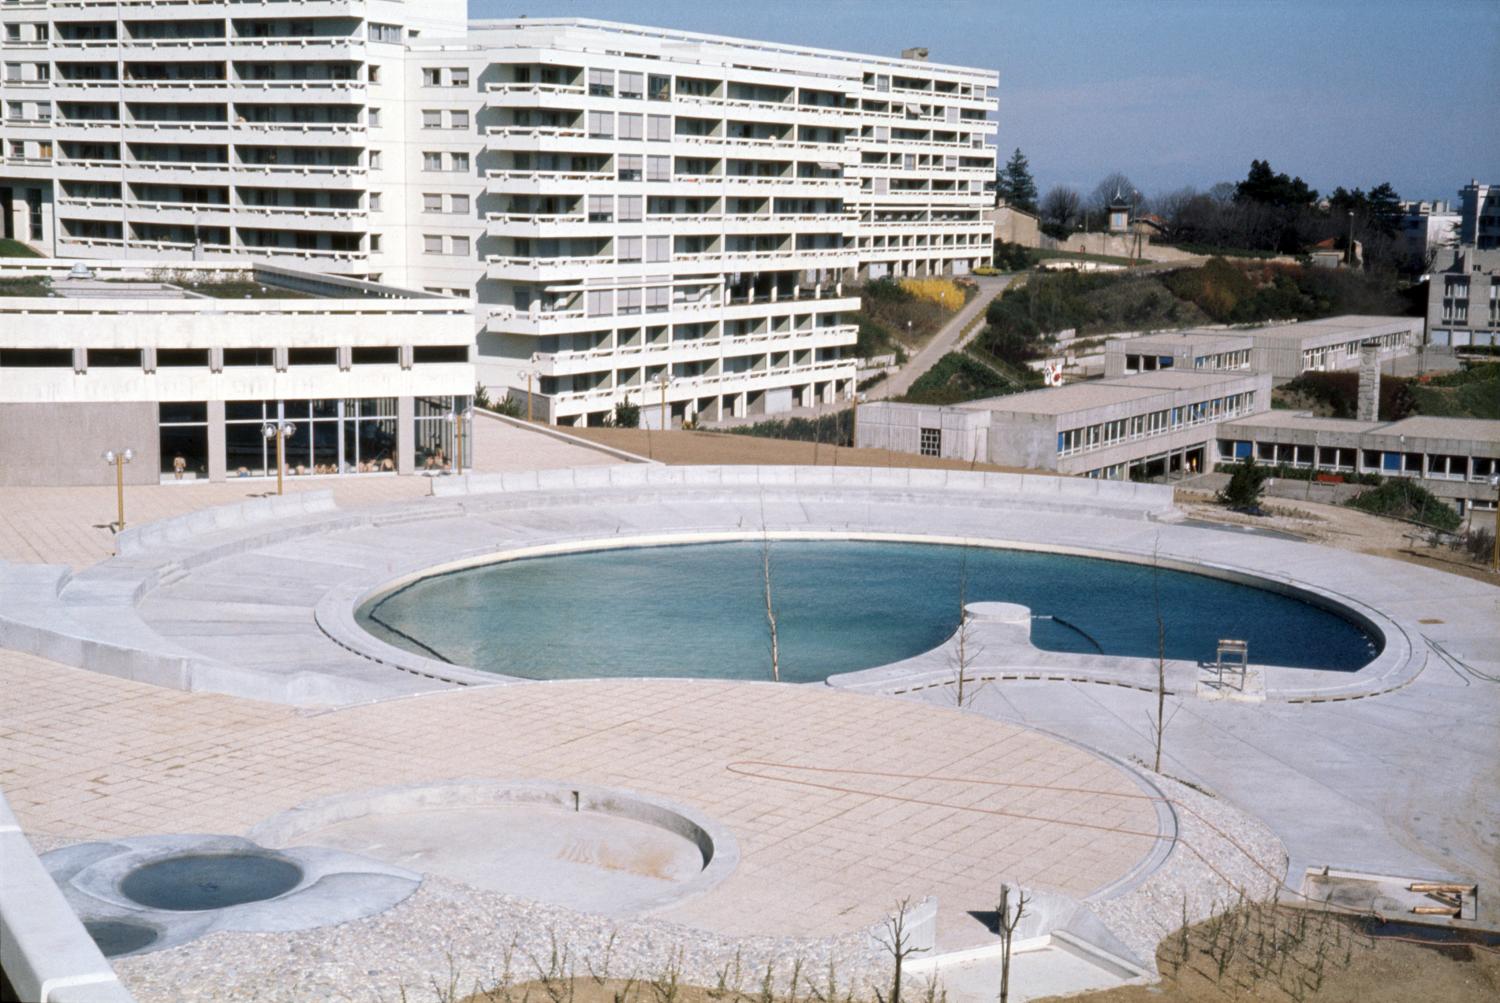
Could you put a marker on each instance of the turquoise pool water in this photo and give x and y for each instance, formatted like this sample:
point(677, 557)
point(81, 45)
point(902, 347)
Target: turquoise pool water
point(699, 610)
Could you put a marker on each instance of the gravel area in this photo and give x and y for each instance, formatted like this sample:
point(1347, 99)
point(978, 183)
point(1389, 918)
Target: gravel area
point(1221, 855)
point(447, 935)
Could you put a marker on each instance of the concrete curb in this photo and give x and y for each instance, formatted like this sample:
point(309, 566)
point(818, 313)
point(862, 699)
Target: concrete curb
point(47, 954)
point(572, 440)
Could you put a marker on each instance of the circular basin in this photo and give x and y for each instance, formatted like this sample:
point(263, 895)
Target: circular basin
point(840, 606)
point(194, 882)
point(116, 937)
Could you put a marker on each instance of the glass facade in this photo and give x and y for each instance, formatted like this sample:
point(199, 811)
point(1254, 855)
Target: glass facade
point(183, 430)
point(434, 433)
point(331, 436)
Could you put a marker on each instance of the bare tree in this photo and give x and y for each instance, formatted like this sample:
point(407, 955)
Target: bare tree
point(765, 566)
point(1159, 721)
point(1114, 187)
point(896, 937)
point(964, 649)
point(1006, 921)
point(1060, 205)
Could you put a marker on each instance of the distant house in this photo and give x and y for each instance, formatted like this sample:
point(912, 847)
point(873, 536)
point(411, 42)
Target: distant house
point(1014, 225)
point(1331, 253)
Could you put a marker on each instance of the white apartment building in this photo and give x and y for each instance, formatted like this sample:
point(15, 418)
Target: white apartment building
point(640, 214)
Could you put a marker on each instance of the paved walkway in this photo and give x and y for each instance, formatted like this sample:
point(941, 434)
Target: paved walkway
point(71, 525)
point(827, 846)
point(946, 340)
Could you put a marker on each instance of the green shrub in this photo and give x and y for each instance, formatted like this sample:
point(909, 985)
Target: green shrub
point(835, 429)
point(1246, 483)
point(960, 377)
point(1011, 257)
point(1400, 498)
point(1338, 394)
point(627, 415)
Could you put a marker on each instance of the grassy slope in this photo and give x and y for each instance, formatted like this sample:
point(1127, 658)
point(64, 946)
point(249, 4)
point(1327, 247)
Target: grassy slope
point(16, 249)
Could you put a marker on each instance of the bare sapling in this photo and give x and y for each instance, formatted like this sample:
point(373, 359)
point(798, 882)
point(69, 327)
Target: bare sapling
point(963, 650)
point(765, 568)
point(896, 937)
point(1159, 723)
point(1007, 917)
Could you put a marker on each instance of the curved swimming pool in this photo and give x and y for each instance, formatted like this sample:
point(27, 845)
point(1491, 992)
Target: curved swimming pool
point(699, 610)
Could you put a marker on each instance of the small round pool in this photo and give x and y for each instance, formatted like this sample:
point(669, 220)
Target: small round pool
point(700, 610)
point(193, 882)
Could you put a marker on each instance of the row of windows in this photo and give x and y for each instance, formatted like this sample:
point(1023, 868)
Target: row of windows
point(1108, 433)
point(656, 128)
point(432, 118)
point(1440, 466)
point(187, 358)
point(436, 76)
point(432, 160)
point(435, 244)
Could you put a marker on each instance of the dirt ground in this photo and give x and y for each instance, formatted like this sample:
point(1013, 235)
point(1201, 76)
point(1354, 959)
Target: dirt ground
point(1336, 526)
point(684, 448)
point(1261, 953)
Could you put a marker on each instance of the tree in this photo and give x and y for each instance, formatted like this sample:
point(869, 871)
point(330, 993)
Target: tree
point(627, 415)
point(1060, 205)
point(1115, 187)
point(1006, 920)
point(1014, 183)
point(1266, 187)
point(1245, 485)
point(896, 937)
point(765, 567)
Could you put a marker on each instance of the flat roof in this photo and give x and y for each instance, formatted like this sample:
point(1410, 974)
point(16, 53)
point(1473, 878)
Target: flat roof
point(1306, 420)
point(1102, 393)
point(1191, 337)
point(1345, 324)
point(1416, 427)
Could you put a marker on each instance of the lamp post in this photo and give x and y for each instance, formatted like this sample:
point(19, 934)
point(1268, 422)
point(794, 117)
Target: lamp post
point(118, 459)
point(458, 416)
point(530, 374)
point(279, 430)
point(666, 416)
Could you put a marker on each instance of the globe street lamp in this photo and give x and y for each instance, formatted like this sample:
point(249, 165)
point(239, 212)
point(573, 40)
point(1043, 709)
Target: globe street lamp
point(279, 430)
point(118, 459)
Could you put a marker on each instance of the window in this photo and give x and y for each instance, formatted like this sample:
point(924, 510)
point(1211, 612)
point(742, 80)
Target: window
point(458, 204)
point(659, 88)
point(658, 168)
point(659, 128)
point(115, 358)
point(183, 430)
point(432, 118)
point(630, 208)
point(632, 85)
point(602, 83)
point(632, 126)
point(627, 249)
point(658, 299)
point(374, 201)
point(374, 160)
point(372, 73)
point(432, 76)
point(248, 357)
point(628, 301)
point(458, 120)
point(374, 243)
point(459, 162)
point(432, 161)
point(432, 244)
point(458, 76)
point(600, 210)
point(181, 357)
point(372, 116)
point(630, 166)
point(432, 202)
point(601, 124)
point(385, 32)
point(460, 246)
point(931, 442)
point(375, 356)
point(658, 249)
point(312, 356)
point(601, 302)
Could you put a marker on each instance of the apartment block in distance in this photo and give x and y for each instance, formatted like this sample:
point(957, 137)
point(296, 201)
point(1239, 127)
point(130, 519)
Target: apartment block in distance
point(1463, 292)
point(638, 213)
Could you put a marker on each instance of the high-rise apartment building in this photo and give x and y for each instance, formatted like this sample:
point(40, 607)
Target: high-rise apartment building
point(640, 214)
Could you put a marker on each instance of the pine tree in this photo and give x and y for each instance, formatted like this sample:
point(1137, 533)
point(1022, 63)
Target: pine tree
point(1014, 183)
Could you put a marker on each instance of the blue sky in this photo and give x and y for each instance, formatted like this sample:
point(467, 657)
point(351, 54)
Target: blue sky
point(1175, 92)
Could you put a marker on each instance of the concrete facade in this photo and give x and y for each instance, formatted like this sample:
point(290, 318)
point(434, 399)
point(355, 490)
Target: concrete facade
point(1196, 349)
point(1015, 226)
point(1148, 424)
point(1463, 298)
point(120, 358)
point(631, 206)
point(1454, 458)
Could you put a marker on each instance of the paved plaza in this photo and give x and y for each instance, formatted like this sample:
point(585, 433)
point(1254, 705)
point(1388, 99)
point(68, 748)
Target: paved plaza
point(841, 802)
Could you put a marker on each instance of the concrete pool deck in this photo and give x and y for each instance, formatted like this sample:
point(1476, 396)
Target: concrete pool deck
point(262, 607)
